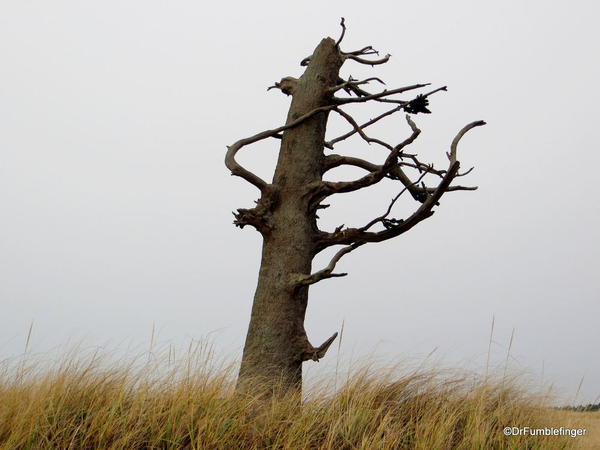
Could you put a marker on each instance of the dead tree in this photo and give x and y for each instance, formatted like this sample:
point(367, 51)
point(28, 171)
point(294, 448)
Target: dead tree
point(286, 212)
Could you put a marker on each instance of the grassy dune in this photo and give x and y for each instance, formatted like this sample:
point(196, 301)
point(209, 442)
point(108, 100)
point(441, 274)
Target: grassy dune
point(588, 420)
point(87, 403)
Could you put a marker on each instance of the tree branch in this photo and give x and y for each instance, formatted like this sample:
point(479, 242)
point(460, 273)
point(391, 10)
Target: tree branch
point(414, 106)
point(343, 25)
point(389, 209)
point(316, 353)
point(396, 172)
point(461, 133)
point(351, 236)
point(330, 144)
point(365, 96)
point(237, 170)
point(358, 129)
point(376, 175)
point(385, 93)
point(327, 272)
point(372, 62)
point(359, 236)
point(368, 50)
point(352, 86)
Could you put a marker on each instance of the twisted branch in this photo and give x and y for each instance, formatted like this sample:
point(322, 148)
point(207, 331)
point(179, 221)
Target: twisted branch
point(373, 177)
point(330, 144)
point(396, 173)
point(351, 85)
point(237, 170)
point(391, 205)
point(358, 129)
point(359, 236)
point(372, 62)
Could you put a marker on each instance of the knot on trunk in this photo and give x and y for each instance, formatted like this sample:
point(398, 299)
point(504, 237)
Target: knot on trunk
point(287, 85)
point(316, 353)
point(260, 216)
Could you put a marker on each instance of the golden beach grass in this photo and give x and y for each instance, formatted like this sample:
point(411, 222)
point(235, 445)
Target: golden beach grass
point(90, 403)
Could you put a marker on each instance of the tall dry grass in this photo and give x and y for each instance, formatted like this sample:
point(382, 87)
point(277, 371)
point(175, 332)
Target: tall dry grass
point(91, 403)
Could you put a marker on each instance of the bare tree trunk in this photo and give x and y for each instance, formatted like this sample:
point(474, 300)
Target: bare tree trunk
point(276, 343)
point(285, 215)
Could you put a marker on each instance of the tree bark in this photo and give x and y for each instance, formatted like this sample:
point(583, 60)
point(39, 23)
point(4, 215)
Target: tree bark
point(276, 343)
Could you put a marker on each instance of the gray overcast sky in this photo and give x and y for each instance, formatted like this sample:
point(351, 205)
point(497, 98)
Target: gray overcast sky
point(116, 205)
